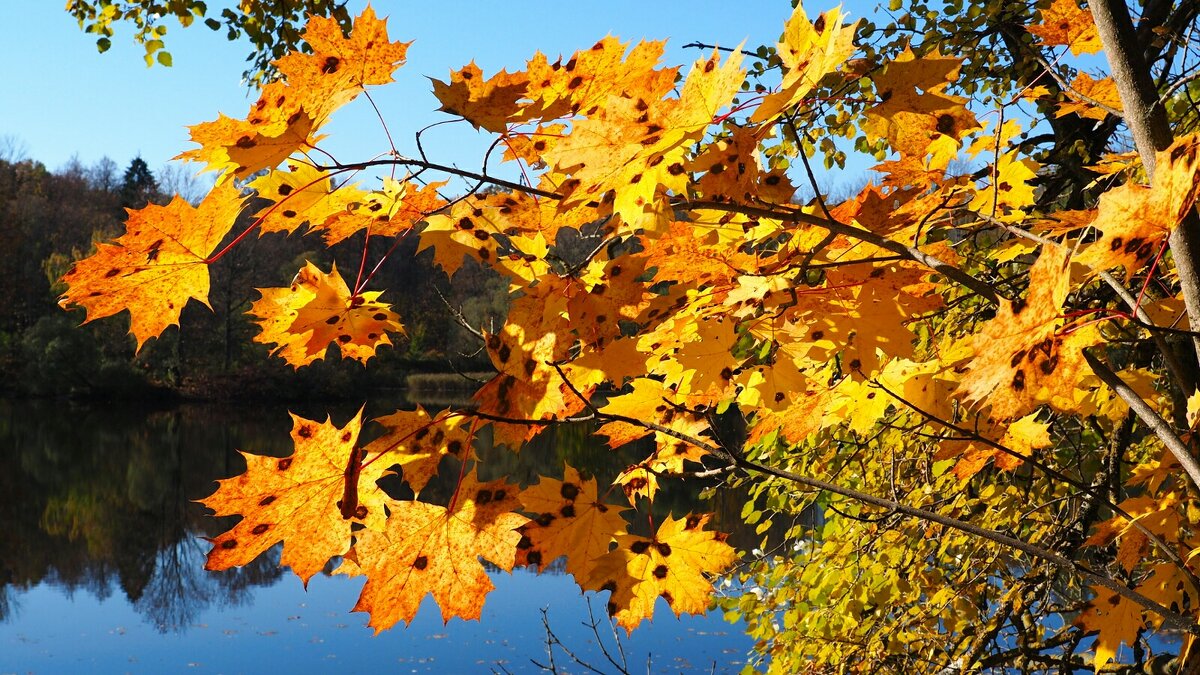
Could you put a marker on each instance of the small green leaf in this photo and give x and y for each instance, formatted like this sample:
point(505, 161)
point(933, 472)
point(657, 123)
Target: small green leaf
point(165, 58)
point(103, 44)
point(213, 24)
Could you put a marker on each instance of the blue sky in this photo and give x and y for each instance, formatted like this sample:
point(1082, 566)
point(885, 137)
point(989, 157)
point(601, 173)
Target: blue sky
point(67, 100)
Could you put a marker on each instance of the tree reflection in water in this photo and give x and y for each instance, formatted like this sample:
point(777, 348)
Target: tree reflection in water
point(101, 499)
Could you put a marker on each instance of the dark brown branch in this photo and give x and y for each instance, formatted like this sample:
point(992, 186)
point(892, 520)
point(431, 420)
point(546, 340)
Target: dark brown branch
point(433, 166)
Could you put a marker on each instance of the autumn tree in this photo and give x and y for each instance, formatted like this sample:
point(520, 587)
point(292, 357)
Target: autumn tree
point(979, 370)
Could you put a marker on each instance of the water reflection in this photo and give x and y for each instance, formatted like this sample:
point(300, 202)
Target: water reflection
point(101, 500)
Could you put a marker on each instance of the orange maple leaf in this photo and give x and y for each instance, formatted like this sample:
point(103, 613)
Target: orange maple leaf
point(570, 521)
point(389, 212)
point(1136, 219)
point(341, 66)
point(1115, 617)
point(1065, 23)
point(672, 566)
point(318, 310)
point(157, 265)
point(420, 442)
point(433, 549)
point(486, 104)
point(1022, 357)
point(300, 499)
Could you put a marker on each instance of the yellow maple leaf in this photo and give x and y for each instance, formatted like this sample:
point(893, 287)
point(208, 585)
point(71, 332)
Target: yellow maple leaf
point(428, 549)
point(914, 110)
point(809, 51)
point(318, 310)
point(157, 265)
point(300, 499)
point(569, 520)
point(672, 565)
point(583, 83)
point(303, 194)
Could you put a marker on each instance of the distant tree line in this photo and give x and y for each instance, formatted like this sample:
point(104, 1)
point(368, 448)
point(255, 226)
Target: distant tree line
point(49, 219)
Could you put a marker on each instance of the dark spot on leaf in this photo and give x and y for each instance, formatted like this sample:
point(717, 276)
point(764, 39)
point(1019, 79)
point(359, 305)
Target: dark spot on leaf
point(664, 549)
point(499, 495)
point(945, 124)
point(639, 547)
point(545, 519)
point(534, 557)
point(455, 446)
point(112, 273)
point(567, 511)
point(503, 353)
point(331, 320)
point(666, 595)
point(420, 563)
point(228, 544)
point(525, 543)
point(245, 142)
point(539, 146)
point(360, 512)
point(266, 500)
point(260, 528)
point(346, 436)
point(717, 169)
point(1049, 364)
point(483, 497)
point(575, 82)
point(285, 190)
point(1018, 381)
point(692, 522)
point(284, 463)
point(331, 65)
point(660, 572)
point(569, 491)
point(465, 224)
point(344, 339)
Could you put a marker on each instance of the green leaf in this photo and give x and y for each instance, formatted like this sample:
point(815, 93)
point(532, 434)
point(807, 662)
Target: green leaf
point(165, 58)
point(103, 44)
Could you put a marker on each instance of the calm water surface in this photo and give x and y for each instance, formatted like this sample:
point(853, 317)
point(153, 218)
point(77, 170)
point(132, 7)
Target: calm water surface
point(102, 553)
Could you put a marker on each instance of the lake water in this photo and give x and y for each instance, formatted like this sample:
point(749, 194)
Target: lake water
point(102, 553)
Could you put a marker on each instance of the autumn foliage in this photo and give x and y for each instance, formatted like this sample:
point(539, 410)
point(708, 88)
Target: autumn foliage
point(979, 372)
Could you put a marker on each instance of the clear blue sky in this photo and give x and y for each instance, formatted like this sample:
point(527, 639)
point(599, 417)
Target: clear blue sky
point(63, 99)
